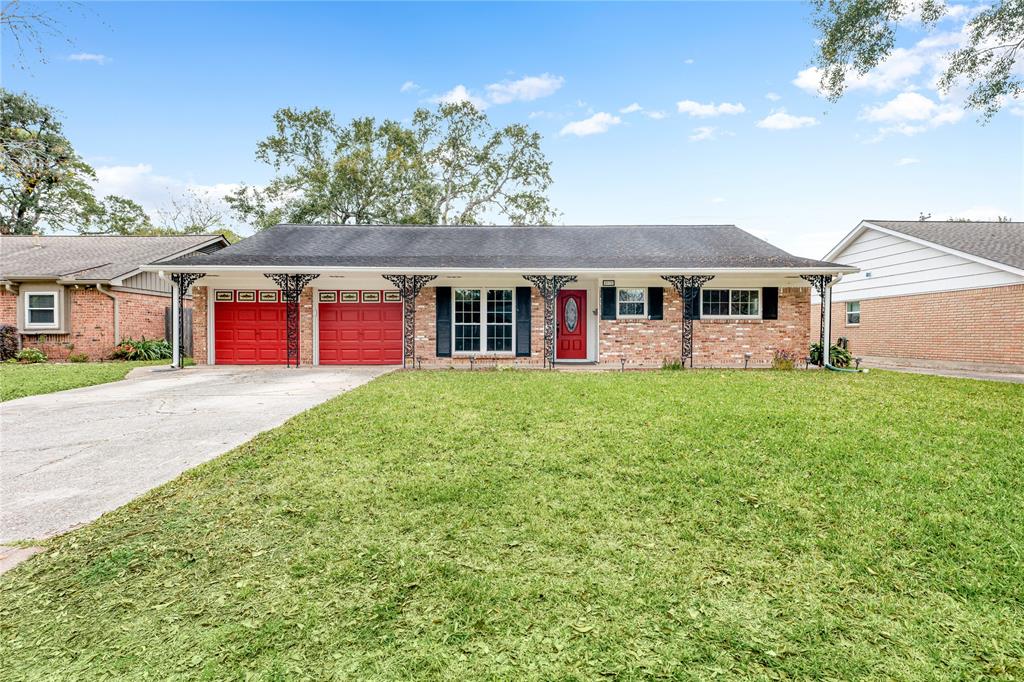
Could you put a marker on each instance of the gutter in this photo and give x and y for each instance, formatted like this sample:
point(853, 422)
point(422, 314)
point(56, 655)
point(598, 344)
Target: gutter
point(211, 268)
point(117, 312)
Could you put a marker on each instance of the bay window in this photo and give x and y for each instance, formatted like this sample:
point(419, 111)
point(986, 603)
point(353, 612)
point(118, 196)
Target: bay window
point(483, 320)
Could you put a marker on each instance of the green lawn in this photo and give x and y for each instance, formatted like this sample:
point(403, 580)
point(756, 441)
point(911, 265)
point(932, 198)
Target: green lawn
point(501, 525)
point(18, 381)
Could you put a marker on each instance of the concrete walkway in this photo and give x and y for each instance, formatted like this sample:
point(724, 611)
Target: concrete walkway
point(68, 457)
point(1008, 377)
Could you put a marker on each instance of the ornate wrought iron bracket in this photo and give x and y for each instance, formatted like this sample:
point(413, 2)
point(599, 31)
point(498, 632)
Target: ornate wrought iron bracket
point(183, 282)
point(409, 287)
point(291, 291)
point(549, 286)
point(687, 286)
point(820, 284)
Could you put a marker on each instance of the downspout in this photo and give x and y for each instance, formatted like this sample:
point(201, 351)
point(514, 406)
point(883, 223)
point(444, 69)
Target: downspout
point(117, 312)
point(12, 290)
point(827, 350)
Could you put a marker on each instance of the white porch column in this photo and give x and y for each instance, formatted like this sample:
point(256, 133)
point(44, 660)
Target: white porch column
point(175, 325)
point(826, 303)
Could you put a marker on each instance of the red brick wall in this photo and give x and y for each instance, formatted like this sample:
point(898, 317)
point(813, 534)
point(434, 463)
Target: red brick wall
point(426, 337)
point(8, 308)
point(716, 343)
point(142, 315)
point(200, 295)
point(975, 325)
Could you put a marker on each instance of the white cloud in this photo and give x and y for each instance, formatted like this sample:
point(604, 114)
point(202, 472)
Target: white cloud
point(656, 115)
point(409, 86)
point(598, 123)
point(780, 120)
point(460, 93)
point(703, 133)
point(907, 161)
point(687, 61)
point(153, 191)
point(717, 200)
point(100, 59)
point(526, 89)
point(774, 97)
point(910, 113)
point(688, 106)
point(632, 108)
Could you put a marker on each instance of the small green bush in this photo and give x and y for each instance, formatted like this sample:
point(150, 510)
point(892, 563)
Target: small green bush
point(30, 355)
point(671, 365)
point(837, 356)
point(8, 342)
point(78, 357)
point(142, 349)
point(784, 359)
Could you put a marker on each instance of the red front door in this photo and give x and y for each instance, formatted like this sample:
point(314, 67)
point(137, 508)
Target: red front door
point(572, 325)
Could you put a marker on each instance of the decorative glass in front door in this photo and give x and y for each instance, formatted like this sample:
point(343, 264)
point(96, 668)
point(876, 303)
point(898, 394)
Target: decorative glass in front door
point(571, 315)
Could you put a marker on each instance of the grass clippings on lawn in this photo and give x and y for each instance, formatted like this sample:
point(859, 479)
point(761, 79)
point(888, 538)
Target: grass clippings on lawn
point(21, 380)
point(501, 525)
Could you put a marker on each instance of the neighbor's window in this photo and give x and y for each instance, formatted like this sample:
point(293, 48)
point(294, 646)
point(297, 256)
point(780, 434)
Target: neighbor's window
point(41, 310)
point(488, 327)
point(730, 303)
point(632, 302)
point(853, 312)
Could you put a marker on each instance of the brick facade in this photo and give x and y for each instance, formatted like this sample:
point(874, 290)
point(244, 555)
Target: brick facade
point(92, 322)
point(974, 326)
point(644, 343)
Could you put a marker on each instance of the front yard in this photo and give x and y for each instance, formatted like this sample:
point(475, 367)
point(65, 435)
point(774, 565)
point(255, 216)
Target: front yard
point(500, 525)
point(20, 380)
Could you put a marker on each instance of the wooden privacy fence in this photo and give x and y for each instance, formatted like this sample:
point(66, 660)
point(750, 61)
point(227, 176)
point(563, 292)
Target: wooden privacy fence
point(186, 320)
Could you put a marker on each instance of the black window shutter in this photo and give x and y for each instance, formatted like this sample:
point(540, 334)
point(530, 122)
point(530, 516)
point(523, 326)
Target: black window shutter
point(443, 330)
point(607, 303)
point(769, 303)
point(523, 315)
point(655, 303)
point(691, 302)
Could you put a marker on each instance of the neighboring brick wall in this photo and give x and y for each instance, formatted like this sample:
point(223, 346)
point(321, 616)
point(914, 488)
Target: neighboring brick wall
point(142, 315)
point(8, 308)
point(972, 326)
point(306, 327)
point(92, 328)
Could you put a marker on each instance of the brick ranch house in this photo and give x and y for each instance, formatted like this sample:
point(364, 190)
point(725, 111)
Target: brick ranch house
point(442, 296)
point(944, 294)
point(83, 294)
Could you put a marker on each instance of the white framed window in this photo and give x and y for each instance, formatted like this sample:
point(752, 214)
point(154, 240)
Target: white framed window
point(631, 302)
point(483, 320)
point(852, 312)
point(730, 303)
point(41, 310)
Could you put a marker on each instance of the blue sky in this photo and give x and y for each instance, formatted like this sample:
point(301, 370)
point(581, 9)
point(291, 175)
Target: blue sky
point(164, 96)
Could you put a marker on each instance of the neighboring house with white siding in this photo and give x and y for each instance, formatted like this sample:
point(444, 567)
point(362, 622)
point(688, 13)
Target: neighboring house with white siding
point(931, 293)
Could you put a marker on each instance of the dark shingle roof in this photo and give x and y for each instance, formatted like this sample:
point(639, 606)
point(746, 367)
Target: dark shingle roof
point(88, 257)
point(999, 242)
point(671, 247)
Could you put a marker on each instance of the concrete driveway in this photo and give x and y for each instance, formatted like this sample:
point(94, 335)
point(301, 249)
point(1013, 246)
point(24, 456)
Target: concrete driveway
point(68, 457)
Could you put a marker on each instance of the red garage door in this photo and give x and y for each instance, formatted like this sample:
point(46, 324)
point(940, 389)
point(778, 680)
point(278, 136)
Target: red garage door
point(360, 333)
point(249, 333)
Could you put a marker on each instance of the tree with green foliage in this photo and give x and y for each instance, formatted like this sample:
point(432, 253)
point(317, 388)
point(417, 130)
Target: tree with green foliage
point(43, 182)
point(858, 35)
point(450, 167)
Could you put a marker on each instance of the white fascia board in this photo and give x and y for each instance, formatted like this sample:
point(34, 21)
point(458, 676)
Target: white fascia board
point(233, 269)
point(119, 280)
point(940, 247)
point(845, 241)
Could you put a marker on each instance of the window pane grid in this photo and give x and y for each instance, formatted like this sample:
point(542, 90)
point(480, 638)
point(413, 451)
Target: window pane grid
point(631, 301)
point(853, 312)
point(730, 302)
point(41, 308)
point(483, 318)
